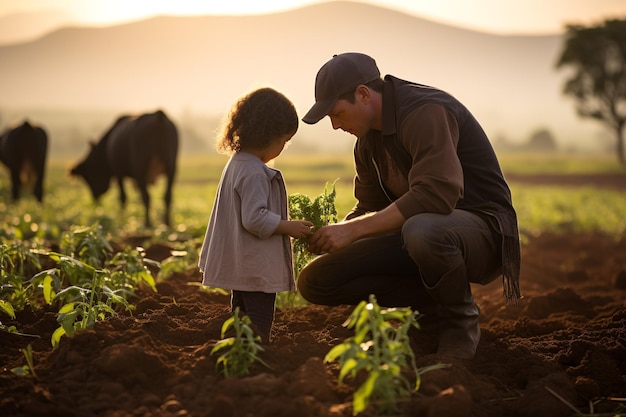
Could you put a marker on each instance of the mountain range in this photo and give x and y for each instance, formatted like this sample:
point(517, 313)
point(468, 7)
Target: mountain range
point(201, 64)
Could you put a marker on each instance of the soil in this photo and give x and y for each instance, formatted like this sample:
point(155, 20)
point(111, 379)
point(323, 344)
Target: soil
point(562, 348)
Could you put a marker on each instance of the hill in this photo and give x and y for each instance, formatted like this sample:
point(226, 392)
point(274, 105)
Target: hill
point(18, 27)
point(200, 64)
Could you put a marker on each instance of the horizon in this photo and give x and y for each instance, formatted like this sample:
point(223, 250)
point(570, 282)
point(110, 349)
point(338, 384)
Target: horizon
point(533, 17)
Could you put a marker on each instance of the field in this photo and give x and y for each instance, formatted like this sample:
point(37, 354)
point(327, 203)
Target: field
point(561, 351)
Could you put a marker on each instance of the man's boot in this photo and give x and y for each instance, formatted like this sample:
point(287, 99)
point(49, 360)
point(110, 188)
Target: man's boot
point(459, 332)
point(458, 314)
point(425, 339)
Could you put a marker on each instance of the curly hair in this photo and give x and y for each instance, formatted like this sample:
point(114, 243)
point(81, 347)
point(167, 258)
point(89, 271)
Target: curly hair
point(257, 119)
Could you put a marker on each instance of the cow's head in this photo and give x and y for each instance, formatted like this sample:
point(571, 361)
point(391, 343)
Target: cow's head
point(94, 170)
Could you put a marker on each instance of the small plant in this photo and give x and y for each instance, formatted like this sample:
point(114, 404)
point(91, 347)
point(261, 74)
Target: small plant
point(238, 352)
point(321, 211)
point(91, 303)
point(7, 308)
point(95, 291)
point(380, 347)
point(87, 244)
point(29, 368)
point(17, 261)
point(128, 270)
point(17, 258)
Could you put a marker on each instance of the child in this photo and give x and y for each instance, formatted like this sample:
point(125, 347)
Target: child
point(247, 248)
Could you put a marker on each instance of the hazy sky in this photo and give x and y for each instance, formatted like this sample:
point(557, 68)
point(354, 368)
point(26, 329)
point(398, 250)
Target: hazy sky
point(497, 16)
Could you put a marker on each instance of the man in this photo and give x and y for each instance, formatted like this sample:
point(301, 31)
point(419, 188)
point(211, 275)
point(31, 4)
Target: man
point(433, 211)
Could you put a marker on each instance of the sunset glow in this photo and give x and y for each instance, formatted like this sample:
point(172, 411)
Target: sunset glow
point(496, 16)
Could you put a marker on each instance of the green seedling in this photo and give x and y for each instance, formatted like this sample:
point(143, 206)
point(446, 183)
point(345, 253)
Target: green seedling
point(128, 270)
point(238, 352)
point(321, 211)
point(91, 303)
point(380, 349)
point(87, 244)
point(16, 261)
point(29, 368)
point(7, 308)
point(95, 291)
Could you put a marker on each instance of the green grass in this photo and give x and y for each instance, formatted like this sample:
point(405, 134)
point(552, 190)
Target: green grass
point(579, 209)
point(563, 163)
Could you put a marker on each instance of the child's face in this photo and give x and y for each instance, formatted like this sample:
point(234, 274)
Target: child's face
point(275, 148)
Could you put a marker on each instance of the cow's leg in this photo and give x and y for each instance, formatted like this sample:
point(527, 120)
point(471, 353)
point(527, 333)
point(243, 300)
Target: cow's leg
point(142, 185)
point(15, 184)
point(120, 183)
point(38, 189)
point(167, 199)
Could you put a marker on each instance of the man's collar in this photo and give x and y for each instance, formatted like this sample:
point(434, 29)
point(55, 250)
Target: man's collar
point(389, 107)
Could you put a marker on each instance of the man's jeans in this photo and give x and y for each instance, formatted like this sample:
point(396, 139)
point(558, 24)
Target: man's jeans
point(396, 267)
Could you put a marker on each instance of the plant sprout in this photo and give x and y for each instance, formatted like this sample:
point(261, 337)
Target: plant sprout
point(240, 351)
point(380, 348)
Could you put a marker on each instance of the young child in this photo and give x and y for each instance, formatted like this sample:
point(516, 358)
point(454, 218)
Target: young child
point(247, 248)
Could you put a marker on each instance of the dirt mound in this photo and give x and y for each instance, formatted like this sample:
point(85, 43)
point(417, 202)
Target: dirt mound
point(567, 336)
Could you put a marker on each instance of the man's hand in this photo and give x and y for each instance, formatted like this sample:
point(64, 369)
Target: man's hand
point(337, 236)
point(331, 238)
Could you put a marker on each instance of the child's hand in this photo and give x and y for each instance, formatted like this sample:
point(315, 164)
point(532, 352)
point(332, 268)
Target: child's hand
point(294, 228)
point(299, 228)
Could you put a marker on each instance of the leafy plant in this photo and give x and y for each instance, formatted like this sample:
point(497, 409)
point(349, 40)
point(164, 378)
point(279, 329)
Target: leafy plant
point(240, 351)
point(17, 258)
point(95, 293)
point(321, 211)
point(88, 244)
point(91, 303)
point(15, 291)
point(16, 261)
point(88, 281)
point(7, 308)
point(380, 348)
point(29, 368)
point(128, 270)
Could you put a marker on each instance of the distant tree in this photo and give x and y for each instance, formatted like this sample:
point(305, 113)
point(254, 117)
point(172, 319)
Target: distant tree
point(541, 140)
point(598, 57)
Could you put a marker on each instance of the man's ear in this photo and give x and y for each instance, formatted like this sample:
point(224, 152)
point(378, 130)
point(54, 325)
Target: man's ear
point(362, 92)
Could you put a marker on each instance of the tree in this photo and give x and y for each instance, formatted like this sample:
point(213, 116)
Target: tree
point(542, 140)
point(597, 55)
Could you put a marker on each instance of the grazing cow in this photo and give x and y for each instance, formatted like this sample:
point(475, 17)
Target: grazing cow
point(141, 148)
point(23, 150)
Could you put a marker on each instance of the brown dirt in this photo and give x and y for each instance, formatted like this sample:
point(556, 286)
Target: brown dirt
point(567, 335)
point(615, 180)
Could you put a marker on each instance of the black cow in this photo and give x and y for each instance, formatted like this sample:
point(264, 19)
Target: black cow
point(139, 147)
point(23, 150)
